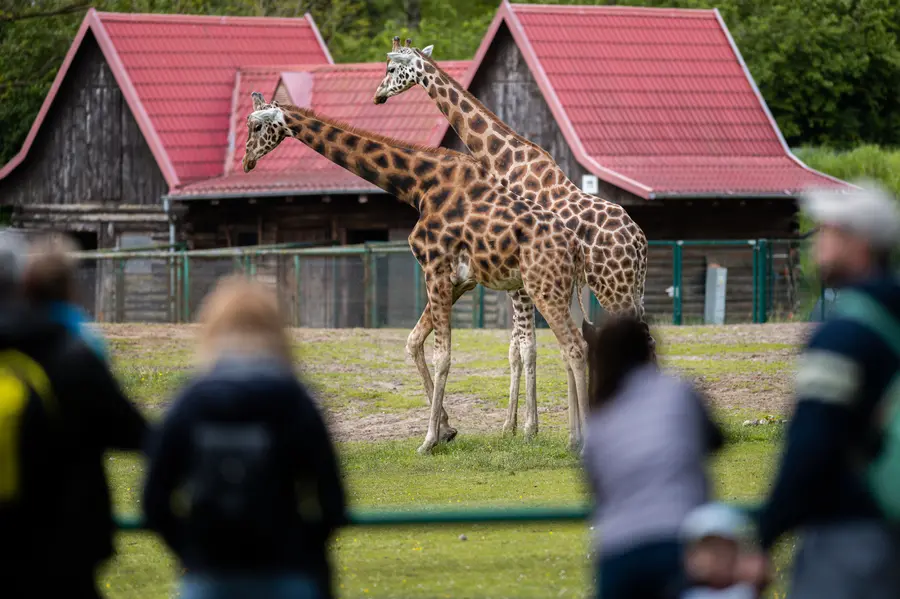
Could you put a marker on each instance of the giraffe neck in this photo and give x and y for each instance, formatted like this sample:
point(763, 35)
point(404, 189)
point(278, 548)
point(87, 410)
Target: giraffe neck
point(386, 163)
point(482, 131)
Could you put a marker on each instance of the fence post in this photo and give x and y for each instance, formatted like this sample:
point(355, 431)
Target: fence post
point(770, 278)
point(763, 281)
point(120, 290)
point(186, 287)
point(367, 287)
point(755, 290)
point(297, 284)
point(481, 306)
point(676, 283)
point(373, 283)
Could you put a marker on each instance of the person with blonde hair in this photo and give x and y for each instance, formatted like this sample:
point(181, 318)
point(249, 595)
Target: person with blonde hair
point(243, 482)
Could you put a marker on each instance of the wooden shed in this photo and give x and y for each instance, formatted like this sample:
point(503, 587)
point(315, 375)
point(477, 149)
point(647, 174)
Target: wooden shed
point(139, 107)
point(653, 109)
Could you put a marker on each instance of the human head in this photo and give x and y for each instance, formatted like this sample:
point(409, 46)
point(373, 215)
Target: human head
point(857, 231)
point(241, 317)
point(405, 68)
point(49, 273)
point(713, 534)
point(615, 348)
point(12, 255)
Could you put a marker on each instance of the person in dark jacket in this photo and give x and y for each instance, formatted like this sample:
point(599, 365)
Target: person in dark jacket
point(243, 481)
point(648, 436)
point(58, 528)
point(846, 548)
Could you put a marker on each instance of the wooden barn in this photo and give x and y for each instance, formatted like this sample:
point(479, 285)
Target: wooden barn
point(653, 109)
point(140, 139)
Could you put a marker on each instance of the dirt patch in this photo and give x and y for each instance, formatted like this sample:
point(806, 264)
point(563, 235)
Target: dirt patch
point(765, 389)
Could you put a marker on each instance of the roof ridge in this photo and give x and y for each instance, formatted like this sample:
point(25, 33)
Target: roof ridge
point(223, 20)
point(672, 12)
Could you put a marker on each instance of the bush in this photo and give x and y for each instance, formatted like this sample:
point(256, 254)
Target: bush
point(872, 162)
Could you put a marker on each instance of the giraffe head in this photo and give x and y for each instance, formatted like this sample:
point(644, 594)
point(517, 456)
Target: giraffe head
point(405, 68)
point(266, 128)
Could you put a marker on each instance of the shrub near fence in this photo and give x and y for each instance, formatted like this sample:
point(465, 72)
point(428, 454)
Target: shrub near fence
point(381, 285)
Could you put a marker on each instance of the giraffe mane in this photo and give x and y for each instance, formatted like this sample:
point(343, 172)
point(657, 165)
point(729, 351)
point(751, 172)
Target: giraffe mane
point(471, 98)
point(371, 135)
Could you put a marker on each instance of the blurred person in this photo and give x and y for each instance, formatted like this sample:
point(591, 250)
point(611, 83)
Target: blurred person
point(61, 410)
point(714, 537)
point(823, 491)
point(647, 438)
point(49, 284)
point(243, 481)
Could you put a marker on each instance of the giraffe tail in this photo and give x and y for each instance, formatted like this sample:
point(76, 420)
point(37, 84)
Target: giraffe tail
point(580, 282)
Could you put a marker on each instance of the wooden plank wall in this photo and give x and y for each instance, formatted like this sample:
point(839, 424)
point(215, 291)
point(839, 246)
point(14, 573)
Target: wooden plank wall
point(89, 149)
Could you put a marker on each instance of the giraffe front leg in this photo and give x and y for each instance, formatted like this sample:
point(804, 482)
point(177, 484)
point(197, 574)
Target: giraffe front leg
point(415, 349)
point(515, 370)
point(440, 296)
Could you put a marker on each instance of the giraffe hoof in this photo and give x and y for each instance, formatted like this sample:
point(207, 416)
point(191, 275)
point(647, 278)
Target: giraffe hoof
point(448, 434)
point(425, 449)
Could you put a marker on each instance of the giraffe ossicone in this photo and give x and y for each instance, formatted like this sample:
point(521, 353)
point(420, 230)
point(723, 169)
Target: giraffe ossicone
point(471, 230)
point(616, 246)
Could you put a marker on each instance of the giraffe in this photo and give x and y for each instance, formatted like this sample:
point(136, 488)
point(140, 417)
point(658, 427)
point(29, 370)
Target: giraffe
point(616, 246)
point(471, 230)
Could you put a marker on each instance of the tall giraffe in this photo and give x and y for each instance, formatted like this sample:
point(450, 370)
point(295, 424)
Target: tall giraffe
point(617, 247)
point(471, 230)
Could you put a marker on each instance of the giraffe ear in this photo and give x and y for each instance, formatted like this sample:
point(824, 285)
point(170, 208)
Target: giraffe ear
point(258, 101)
point(400, 57)
point(426, 51)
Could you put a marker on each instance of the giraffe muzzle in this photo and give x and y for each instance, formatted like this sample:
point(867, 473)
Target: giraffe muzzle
point(380, 99)
point(249, 164)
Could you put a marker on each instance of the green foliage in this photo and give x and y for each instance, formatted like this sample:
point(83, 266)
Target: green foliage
point(829, 69)
point(865, 162)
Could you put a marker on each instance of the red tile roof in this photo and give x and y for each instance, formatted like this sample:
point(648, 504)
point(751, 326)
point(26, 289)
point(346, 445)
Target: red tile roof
point(343, 92)
point(656, 101)
point(177, 74)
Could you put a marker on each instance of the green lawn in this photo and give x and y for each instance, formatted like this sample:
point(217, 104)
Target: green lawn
point(364, 373)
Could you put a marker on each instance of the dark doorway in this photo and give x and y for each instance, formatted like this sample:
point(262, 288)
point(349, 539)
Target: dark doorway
point(357, 236)
point(247, 238)
point(355, 308)
point(86, 276)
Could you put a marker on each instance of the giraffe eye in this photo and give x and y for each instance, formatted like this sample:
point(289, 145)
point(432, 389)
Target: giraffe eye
point(257, 127)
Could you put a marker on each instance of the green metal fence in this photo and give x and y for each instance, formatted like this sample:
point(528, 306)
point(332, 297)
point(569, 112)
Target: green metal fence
point(381, 285)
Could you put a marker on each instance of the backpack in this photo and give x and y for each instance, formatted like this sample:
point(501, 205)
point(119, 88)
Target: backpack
point(882, 474)
point(24, 389)
point(233, 486)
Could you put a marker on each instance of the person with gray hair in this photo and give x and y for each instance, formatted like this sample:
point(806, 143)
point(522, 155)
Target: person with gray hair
point(849, 545)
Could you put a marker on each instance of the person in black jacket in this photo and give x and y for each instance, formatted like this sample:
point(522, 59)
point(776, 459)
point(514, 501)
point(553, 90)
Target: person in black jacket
point(243, 482)
point(56, 529)
point(847, 547)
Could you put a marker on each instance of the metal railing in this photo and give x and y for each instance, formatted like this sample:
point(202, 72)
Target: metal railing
point(377, 285)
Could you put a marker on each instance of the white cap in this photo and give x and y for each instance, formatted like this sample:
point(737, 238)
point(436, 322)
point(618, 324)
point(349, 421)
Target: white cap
point(715, 520)
point(870, 212)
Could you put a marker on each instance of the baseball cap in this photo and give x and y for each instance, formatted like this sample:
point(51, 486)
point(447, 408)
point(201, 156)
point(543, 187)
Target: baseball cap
point(715, 520)
point(868, 211)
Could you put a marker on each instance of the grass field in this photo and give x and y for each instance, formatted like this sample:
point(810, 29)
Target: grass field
point(375, 407)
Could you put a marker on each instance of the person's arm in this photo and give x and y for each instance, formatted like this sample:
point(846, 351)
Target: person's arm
point(167, 452)
point(320, 452)
point(103, 411)
point(830, 375)
point(711, 431)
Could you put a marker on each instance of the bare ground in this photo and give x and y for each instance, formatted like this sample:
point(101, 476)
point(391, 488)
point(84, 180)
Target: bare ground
point(763, 389)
